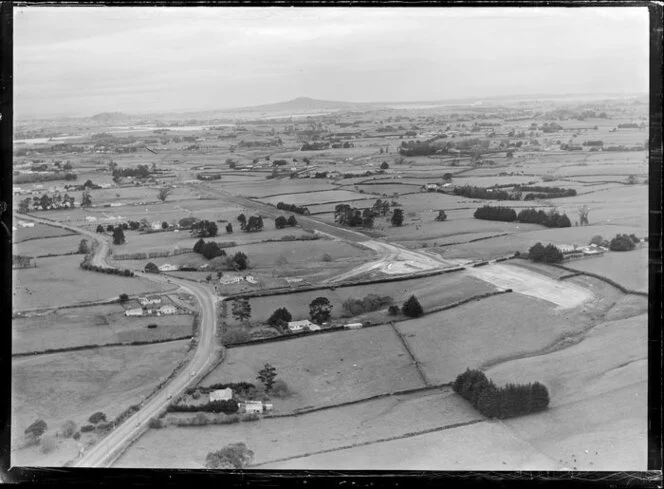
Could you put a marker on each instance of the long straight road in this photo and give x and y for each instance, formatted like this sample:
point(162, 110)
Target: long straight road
point(104, 452)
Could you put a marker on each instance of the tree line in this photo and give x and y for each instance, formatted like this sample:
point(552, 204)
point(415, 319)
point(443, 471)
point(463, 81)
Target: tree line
point(293, 208)
point(551, 219)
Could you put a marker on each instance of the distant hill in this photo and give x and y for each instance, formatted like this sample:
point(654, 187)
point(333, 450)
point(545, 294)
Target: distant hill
point(306, 104)
point(112, 117)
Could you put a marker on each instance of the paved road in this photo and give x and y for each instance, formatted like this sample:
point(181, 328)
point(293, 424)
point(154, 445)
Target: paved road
point(102, 453)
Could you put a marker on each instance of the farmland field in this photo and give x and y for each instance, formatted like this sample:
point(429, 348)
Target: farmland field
point(39, 231)
point(431, 291)
point(277, 438)
point(318, 197)
point(72, 386)
point(92, 325)
point(629, 269)
point(59, 281)
point(50, 246)
point(326, 369)
point(598, 382)
point(441, 343)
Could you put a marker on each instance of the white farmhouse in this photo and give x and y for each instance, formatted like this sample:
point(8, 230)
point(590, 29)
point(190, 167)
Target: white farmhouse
point(251, 279)
point(221, 394)
point(134, 312)
point(168, 267)
point(168, 309)
point(253, 407)
point(300, 325)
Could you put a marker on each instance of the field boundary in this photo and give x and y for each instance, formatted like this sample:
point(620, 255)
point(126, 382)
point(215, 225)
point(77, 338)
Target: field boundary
point(359, 401)
point(92, 347)
point(414, 359)
point(267, 293)
point(380, 440)
point(624, 290)
point(342, 328)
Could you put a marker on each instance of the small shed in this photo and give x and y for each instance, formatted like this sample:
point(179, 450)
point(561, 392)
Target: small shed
point(134, 312)
point(353, 325)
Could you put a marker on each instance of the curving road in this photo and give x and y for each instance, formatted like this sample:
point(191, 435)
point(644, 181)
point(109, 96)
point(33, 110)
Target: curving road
point(104, 452)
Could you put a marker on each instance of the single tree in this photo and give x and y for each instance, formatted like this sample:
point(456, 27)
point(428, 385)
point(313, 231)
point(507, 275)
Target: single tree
point(100, 228)
point(292, 221)
point(151, 268)
point(280, 318)
point(83, 247)
point(280, 222)
point(118, 236)
point(123, 297)
point(164, 225)
point(393, 310)
point(241, 309)
point(86, 199)
point(441, 216)
point(97, 417)
point(36, 429)
point(397, 217)
point(384, 165)
point(163, 193)
point(233, 456)
point(632, 180)
point(320, 310)
point(229, 228)
point(266, 375)
point(240, 261)
point(67, 429)
point(109, 228)
point(243, 221)
point(412, 307)
point(583, 215)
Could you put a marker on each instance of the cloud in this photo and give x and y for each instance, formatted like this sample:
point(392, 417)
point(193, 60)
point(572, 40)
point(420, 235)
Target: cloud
point(94, 59)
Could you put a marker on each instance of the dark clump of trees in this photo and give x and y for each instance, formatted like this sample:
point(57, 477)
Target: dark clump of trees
point(280, 318)
point(499, 213)
point(397, 217)
point(142, 171)
point(545, 254)
point(500, 402)
point(549, 219)
point(484, 193)
point(320, 310)
point(544, 192)
point(623, 242)
point(209, 249)
point(229, 406)
point(151, 268)
point(350, 216)
point(281, 222)
point(204, 229)
point(371, 302)
point(412, 307)
point(293, 208)
point(254, 224)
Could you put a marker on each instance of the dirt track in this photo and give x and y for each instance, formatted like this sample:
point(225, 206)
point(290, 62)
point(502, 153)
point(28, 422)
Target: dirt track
point(564, 294)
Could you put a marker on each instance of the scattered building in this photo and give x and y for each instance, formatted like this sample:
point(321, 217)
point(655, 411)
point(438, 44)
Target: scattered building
point(353, 325)
point(134, 312)
point(251, 279)
point(150, 299)
point(253, 407)
point(168, 309)
point(168, 267)
point(221, 395)
point(300, 325)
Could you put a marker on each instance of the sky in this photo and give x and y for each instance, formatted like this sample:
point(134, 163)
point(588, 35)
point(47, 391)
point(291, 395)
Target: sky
point(79, 61)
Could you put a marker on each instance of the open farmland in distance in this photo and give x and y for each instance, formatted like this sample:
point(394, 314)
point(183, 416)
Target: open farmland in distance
point(581, 337)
